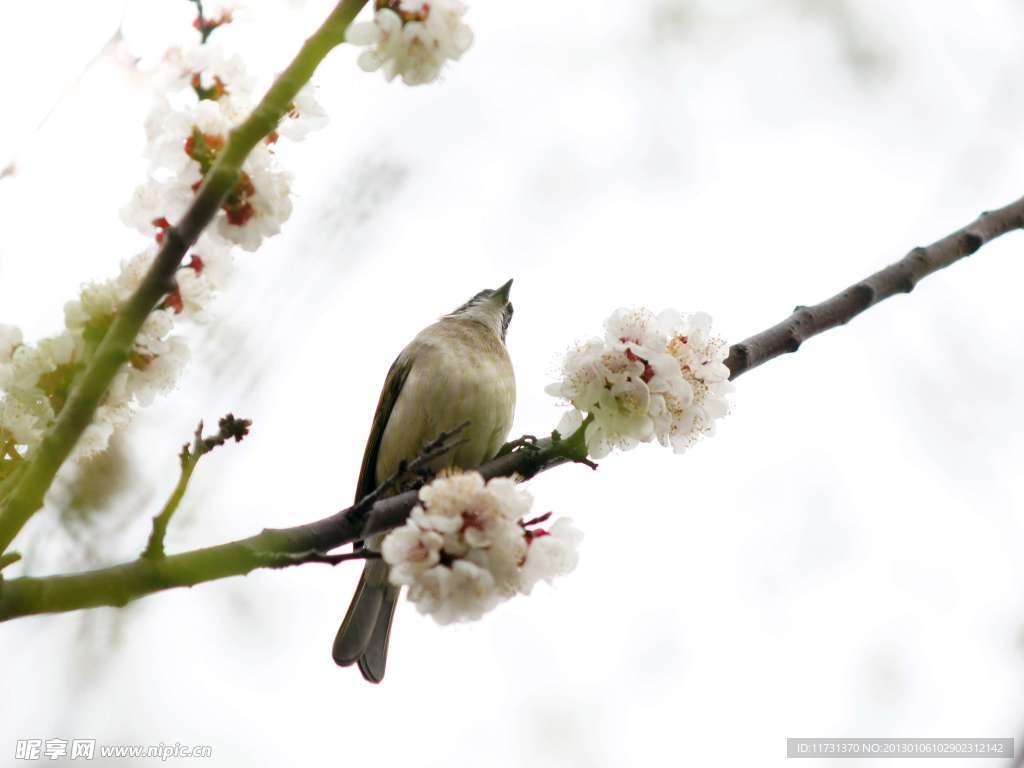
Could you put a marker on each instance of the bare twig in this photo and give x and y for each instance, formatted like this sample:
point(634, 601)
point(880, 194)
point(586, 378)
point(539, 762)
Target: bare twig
point(205, 25)
point(230, 428)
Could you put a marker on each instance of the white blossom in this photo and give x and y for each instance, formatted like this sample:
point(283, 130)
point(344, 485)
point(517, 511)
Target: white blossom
point(36, 380)
point(196, 291)
point(208, 67)
point(159, 375)
point(412, 38)
point(208, 94)
point(264, 192)
point(462, 592)
point(552, 555)
point(33, 380)
point(10, 339)
point(215, 255)
point(651, 377)
point(467, 547)
point(411, 551)
point(23, 420)
point(305, 116)
point(94, 439)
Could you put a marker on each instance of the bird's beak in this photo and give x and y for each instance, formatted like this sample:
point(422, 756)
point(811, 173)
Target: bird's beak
point(504, 291)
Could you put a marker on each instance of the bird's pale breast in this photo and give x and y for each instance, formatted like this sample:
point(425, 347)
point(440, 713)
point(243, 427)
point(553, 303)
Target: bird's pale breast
point(460, 372)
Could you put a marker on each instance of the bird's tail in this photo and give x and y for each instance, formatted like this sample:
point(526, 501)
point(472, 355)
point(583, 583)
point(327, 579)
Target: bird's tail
point(364, 633)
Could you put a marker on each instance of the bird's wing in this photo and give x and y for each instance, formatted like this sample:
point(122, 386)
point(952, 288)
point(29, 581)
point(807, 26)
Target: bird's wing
point(363, 634)
point(388, 397)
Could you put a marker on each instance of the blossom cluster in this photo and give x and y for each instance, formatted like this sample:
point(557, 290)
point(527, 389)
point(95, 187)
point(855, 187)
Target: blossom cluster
point(651, 377)
point(36, 380)
point(208, 93)
point(468, 546)
point(203, 94)
point(412, 38)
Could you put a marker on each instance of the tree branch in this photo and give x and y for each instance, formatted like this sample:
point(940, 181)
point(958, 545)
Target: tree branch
point(900, 277)
point(40, 468)
point(274, 548)
point(229, 428)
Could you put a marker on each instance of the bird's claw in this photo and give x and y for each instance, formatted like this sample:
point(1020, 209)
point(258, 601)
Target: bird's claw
point(526, 442)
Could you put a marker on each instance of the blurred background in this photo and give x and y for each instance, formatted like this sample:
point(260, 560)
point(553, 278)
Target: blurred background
point(841, 560)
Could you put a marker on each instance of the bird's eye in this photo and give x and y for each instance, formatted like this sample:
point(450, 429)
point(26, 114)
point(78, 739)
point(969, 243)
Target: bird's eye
point(506, 318)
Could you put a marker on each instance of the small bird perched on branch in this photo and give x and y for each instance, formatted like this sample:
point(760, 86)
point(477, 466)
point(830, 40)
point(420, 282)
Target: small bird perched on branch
point(455, 371)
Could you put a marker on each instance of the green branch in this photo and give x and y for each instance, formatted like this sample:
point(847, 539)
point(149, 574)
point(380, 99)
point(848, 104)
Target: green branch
point(230, 428)
point(273, 548)
point(41, 466)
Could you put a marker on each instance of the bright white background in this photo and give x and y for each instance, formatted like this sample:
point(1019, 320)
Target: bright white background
point(843, 559)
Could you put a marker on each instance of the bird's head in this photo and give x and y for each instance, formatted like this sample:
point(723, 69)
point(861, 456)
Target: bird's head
point(490, 307)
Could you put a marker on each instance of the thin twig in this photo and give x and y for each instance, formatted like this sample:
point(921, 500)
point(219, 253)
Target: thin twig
point(230, 428)
point(206, 26)
point(200, 19)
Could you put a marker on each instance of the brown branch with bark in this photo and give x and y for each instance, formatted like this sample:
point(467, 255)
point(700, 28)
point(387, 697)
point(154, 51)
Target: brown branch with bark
point(900, 277)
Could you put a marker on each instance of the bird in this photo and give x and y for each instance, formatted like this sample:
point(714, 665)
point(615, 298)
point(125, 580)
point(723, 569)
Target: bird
point(455, 371)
